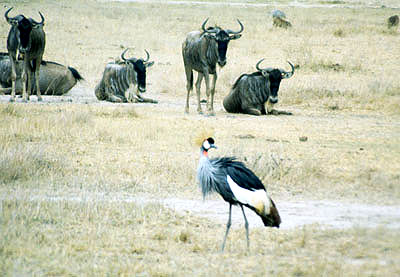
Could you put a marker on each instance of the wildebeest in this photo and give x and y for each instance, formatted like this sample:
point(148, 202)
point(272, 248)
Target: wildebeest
point(201, 52)
point(55, 78)
point(279, 19)
point(393, 21)
point(256, 93)
point(118, 76)
point(26, 36)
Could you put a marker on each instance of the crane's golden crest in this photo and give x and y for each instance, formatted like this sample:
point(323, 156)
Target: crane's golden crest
point(202, 135)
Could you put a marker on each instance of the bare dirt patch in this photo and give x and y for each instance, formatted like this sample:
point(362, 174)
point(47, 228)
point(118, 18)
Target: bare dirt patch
point(324, 213)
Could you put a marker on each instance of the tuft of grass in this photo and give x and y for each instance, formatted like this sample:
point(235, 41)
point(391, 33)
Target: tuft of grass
point(339, 33)
point(129, 112)
point(10, 110)
point(22, 162)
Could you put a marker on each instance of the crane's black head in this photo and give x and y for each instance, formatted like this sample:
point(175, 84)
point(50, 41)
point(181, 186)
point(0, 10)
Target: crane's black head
point(272, 219)
point(208, 144)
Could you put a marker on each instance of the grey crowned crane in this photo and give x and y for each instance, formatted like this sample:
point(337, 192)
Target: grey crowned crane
point(237, 185)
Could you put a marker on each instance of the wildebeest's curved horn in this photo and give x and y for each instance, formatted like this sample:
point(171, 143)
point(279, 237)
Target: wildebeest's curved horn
point(6, 15)
point(286, 74)
point(268, 69)
point(257, 65)
point(203, 27)
point(238, 32)
point(148, 56)
point(123, 54)
point(41, 22)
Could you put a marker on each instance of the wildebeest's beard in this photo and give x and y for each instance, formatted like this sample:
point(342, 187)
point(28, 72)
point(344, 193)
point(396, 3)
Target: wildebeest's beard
point(24, 28)
point(140, 69)
point(275, 77)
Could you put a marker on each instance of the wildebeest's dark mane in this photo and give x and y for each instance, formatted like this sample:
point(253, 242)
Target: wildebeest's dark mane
point(257, 73)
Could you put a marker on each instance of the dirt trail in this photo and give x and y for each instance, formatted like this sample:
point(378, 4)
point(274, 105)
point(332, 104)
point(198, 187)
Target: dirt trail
point(328, 214)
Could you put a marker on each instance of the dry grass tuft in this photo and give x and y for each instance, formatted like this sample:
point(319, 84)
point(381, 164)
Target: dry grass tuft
point(10, 110)
point(24, 162)
point(339, 33)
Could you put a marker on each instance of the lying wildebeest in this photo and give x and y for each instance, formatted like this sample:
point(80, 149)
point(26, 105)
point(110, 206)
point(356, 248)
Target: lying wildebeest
point(118, 76)
point(55, 78)
point(279, 19)
point(201, 52)
point(393, 21)
point(26, 36)
point(256, 93)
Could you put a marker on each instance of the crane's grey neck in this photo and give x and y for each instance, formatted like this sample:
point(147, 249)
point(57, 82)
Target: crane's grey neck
point(206, 174)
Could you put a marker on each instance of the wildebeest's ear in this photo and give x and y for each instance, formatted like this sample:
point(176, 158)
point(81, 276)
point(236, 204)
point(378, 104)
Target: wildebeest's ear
point(236, 36)
point(265, 73)
point(35, 26)
point(209, 36)
point(149, 64)
point(12, 21)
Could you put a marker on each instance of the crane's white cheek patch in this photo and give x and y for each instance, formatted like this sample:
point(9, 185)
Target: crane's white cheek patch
point(206, 145)
point(257, 199)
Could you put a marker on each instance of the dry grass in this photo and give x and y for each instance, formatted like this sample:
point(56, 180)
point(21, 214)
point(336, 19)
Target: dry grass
point(100, 238)
point(345, 96)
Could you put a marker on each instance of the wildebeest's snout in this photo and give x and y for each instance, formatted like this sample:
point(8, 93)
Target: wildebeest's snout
point(23, 50)
point(273, 99)
point(142, 89)
point(221, 62)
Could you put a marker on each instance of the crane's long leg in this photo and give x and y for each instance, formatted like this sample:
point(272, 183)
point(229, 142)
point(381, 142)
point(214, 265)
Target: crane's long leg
point(246, 225)
point(228, 226)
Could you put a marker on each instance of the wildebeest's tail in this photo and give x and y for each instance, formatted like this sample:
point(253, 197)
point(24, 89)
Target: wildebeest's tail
point(75, 73)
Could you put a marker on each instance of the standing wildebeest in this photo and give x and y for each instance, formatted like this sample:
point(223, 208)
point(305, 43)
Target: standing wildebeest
point(55, 78)
point(118, 76)
point(201, 52)
point(256, 93)
point(279, 19)
point(26, 36)
point(393, 21)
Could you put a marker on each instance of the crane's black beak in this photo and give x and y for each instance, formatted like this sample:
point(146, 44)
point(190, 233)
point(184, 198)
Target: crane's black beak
point(213, 146)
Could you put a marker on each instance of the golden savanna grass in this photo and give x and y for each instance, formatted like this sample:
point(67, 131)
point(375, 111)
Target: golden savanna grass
point(63, 164)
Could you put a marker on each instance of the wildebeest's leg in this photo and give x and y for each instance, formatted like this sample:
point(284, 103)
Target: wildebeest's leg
point(189, 85)
point(26, 78)
point(146, 100)
point(210, 105)
point(111, 97)
point(13, 76)
point(198, 86)
point(252, 111)
point(269, 106)
point(5, 91)
point(36, 67)
point(207, 81)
